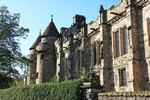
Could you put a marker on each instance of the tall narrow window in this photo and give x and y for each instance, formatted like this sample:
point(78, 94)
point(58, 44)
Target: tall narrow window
point(101, 53)
point(79, 60)
point(66, 69)
point(94, 54)
point(97, 52)
point(36, 75)
point(148, 30)
point(127, 2)
point(117, 44)
point(82, 58)
point(122, 77)
point(116, 41)
point(124, 40)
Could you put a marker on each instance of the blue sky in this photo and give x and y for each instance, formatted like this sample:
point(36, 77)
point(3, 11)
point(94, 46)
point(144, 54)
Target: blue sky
point(36, 14)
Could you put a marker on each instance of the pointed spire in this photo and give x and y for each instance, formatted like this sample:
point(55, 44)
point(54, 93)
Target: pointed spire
point(51, 30)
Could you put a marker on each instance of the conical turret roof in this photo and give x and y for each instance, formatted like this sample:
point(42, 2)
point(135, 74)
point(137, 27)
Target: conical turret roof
point(51, 30)
point(36, 42)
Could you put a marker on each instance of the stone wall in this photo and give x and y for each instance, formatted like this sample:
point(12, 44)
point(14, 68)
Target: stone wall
point(145, 95)
point(46, 60)
point(31, 76)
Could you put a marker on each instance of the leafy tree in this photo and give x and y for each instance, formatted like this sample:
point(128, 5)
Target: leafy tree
point(5, 81)
point(10, 35)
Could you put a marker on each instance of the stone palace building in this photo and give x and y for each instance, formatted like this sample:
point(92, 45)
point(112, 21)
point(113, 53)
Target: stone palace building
point(116, 46)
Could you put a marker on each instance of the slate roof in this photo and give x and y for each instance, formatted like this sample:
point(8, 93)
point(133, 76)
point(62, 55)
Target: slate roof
point(36, 42)
point(51, 30)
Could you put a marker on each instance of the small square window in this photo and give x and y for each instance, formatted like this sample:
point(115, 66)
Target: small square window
point(42, 56)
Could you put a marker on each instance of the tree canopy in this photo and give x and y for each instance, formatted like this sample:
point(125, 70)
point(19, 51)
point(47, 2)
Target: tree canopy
point(10, 35)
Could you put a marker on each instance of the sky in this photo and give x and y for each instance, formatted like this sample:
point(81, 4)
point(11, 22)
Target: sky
point(36, 14)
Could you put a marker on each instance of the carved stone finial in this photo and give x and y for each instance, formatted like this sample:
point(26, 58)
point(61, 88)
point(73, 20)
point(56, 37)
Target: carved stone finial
point(40, 33)
point(51, 17)
point(101, 9)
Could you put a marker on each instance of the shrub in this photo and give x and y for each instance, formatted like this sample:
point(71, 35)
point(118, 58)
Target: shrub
point(67, 90)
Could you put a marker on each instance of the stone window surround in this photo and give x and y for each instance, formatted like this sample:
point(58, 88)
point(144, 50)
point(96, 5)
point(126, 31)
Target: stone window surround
point(80, 59)
point(121, 42)
point(124, 40)
point(114, 44)
point(96, 52)
point(66, 68)
point(122, 77)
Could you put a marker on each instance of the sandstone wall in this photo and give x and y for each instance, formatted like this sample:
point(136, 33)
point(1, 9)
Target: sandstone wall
point(124, 96)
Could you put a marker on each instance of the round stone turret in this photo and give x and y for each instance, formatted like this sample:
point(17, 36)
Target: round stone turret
point(31, 77)
point(46, 54)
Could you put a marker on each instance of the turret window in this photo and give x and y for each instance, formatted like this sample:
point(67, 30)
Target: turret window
point(36, 75)
point(42, 56)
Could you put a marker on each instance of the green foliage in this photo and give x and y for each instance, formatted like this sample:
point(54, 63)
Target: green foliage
point(10, 54)
point(8, 82)
point(54, 79)
point(68, 90)
point(5, 81)
point(84, 75)
point(10, 34)
point(18, 81)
